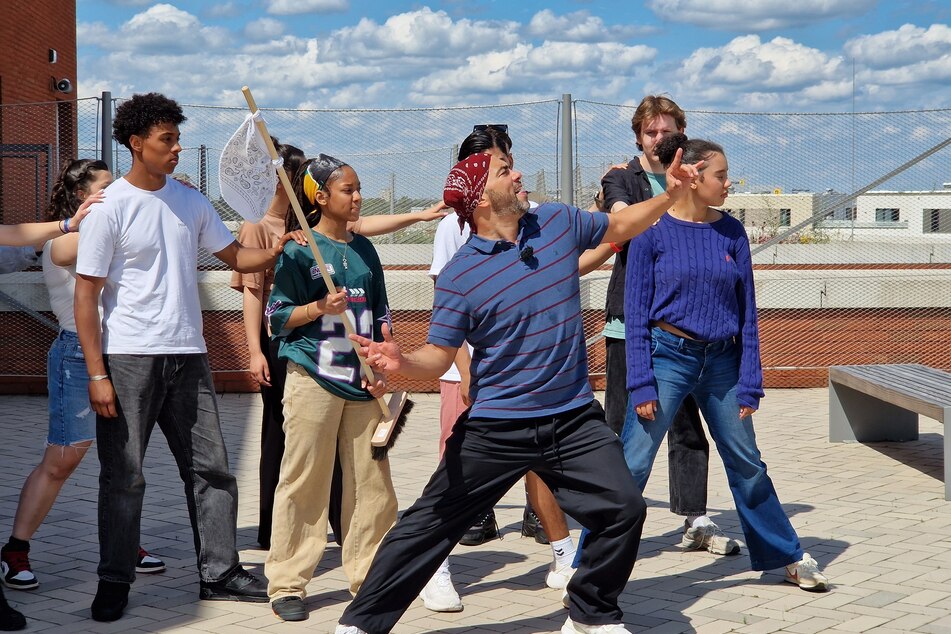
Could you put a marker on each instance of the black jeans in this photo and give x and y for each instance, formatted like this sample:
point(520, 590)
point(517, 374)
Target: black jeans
point(272, 448)
point(177, 392)
point(579, 459)
point(688, 450)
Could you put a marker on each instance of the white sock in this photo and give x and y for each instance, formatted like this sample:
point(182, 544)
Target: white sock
point(444, 566)
point(697, 521)
point(563, 551)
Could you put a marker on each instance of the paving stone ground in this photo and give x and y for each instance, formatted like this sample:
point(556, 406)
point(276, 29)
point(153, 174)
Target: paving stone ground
point(874, 516)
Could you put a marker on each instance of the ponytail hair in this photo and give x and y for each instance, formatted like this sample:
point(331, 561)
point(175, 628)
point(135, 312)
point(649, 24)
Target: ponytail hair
point(75, 176)
point(695, 150)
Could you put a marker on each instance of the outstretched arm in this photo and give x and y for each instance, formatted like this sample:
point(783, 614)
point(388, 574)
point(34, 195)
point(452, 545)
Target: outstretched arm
point(380, 224)
point(37, 233)
point(30, 233)
point(428, 362)
point(251, 260)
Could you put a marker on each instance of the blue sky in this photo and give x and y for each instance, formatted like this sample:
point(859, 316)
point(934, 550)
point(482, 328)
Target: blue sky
point(757, 55)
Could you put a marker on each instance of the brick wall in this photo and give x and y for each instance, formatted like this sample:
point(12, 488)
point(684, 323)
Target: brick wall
point(28, 30)
point(836, 337)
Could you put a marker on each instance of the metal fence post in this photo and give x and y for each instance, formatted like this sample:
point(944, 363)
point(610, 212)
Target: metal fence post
point(567, 162)
point(392, 201)
point(106, 130)
point(203, 169)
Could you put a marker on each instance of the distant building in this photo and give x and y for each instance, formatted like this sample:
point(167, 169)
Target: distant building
point(876, 216)
point(37, 66)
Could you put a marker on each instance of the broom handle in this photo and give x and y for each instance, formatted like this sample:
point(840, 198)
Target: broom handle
point(299, 212)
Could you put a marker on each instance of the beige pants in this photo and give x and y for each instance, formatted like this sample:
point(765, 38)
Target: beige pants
point(314, 420)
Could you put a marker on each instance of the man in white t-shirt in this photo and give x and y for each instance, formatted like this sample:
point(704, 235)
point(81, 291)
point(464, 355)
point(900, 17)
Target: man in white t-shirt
point(147, 358)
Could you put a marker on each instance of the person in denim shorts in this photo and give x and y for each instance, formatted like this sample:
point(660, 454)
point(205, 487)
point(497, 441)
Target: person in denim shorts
point(72, 422)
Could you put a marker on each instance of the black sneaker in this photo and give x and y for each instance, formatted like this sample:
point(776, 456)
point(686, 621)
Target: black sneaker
point(10, 619)
point(532, 526)
point(482, 531)
point(111, 599)
point(289, 609)
point(15, 567)
point(240, 585)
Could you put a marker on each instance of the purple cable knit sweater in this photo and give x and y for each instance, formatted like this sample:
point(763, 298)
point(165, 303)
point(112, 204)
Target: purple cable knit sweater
point(699, 278)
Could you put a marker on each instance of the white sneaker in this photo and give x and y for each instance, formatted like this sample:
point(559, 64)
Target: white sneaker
point(708, 537)
point(570, 627)
point(348, 629)
point(439, 595)
point(558, 576)
point(805, 574)
point(566, 600)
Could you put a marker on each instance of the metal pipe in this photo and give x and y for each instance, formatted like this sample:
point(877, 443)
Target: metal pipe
point(106, 130)
point(567, 162)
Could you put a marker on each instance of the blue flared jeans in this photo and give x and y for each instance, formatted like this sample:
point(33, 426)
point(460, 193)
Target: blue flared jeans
point(709, 371)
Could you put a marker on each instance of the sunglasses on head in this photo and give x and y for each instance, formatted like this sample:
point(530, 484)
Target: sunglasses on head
point(500, 127)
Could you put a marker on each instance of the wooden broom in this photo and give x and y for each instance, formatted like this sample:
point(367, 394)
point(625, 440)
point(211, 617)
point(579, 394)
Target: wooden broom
point(399, 406)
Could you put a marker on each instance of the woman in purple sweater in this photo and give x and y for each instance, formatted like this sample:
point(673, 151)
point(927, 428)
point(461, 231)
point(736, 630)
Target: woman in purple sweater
point(691, 329)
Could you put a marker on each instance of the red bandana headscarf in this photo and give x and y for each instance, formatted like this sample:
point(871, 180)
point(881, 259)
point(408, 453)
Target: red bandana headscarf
point(464, 186)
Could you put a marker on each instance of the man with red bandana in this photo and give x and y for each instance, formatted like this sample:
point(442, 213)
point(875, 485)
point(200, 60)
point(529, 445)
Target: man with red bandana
point(512, 292)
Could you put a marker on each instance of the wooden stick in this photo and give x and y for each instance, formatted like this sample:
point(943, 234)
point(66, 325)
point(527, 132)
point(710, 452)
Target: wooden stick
point(302, 219)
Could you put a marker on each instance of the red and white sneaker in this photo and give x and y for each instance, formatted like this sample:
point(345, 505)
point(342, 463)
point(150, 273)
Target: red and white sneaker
point(805, 574)
point(147, 564)
point(15, 567)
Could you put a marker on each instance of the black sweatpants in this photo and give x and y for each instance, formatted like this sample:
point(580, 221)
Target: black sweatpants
point(580, 460)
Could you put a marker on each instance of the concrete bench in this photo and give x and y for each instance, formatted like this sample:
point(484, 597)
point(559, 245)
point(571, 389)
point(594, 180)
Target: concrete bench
point(874, 403)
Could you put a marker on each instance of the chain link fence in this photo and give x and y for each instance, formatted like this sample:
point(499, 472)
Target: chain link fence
point(844, 275)
point(849, 216)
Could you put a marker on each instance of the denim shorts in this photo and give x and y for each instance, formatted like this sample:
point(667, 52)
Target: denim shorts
point(72, 420)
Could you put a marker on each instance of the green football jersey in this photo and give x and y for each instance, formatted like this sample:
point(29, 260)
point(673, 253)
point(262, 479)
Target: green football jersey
point(321, 346)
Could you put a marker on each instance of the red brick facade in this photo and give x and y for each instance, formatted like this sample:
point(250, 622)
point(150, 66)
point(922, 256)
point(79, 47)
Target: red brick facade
point(33, 140)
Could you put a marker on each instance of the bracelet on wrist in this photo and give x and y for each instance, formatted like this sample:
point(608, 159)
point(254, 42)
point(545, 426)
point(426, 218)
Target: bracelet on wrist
point(307, 312)
point(66, 225)
point(616, 248)
point(63, 226)
point(99, 377)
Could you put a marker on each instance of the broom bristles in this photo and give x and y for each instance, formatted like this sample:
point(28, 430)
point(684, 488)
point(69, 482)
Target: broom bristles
point(379, 453)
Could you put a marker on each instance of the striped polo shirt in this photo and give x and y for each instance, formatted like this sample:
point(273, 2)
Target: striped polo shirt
point(519, 306)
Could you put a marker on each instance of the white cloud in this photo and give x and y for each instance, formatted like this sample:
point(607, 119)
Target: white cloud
point(263, 29)
point(580, 26)
point(756, 15)
point(162, 28)
point(759, 74)
point(908, 44)
point(549, 69)
point(297, 7)
point(423, 34)
point(224, 9)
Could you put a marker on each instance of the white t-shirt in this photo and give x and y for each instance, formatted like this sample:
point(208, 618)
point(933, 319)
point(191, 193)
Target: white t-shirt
point(448, 240)
point(146, 244)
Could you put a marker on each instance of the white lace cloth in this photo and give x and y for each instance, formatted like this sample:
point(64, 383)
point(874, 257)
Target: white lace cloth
point(246, 174)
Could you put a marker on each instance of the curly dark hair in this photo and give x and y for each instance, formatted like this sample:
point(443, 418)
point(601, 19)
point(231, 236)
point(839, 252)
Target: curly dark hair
point(138, 115)
point(74, 176)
